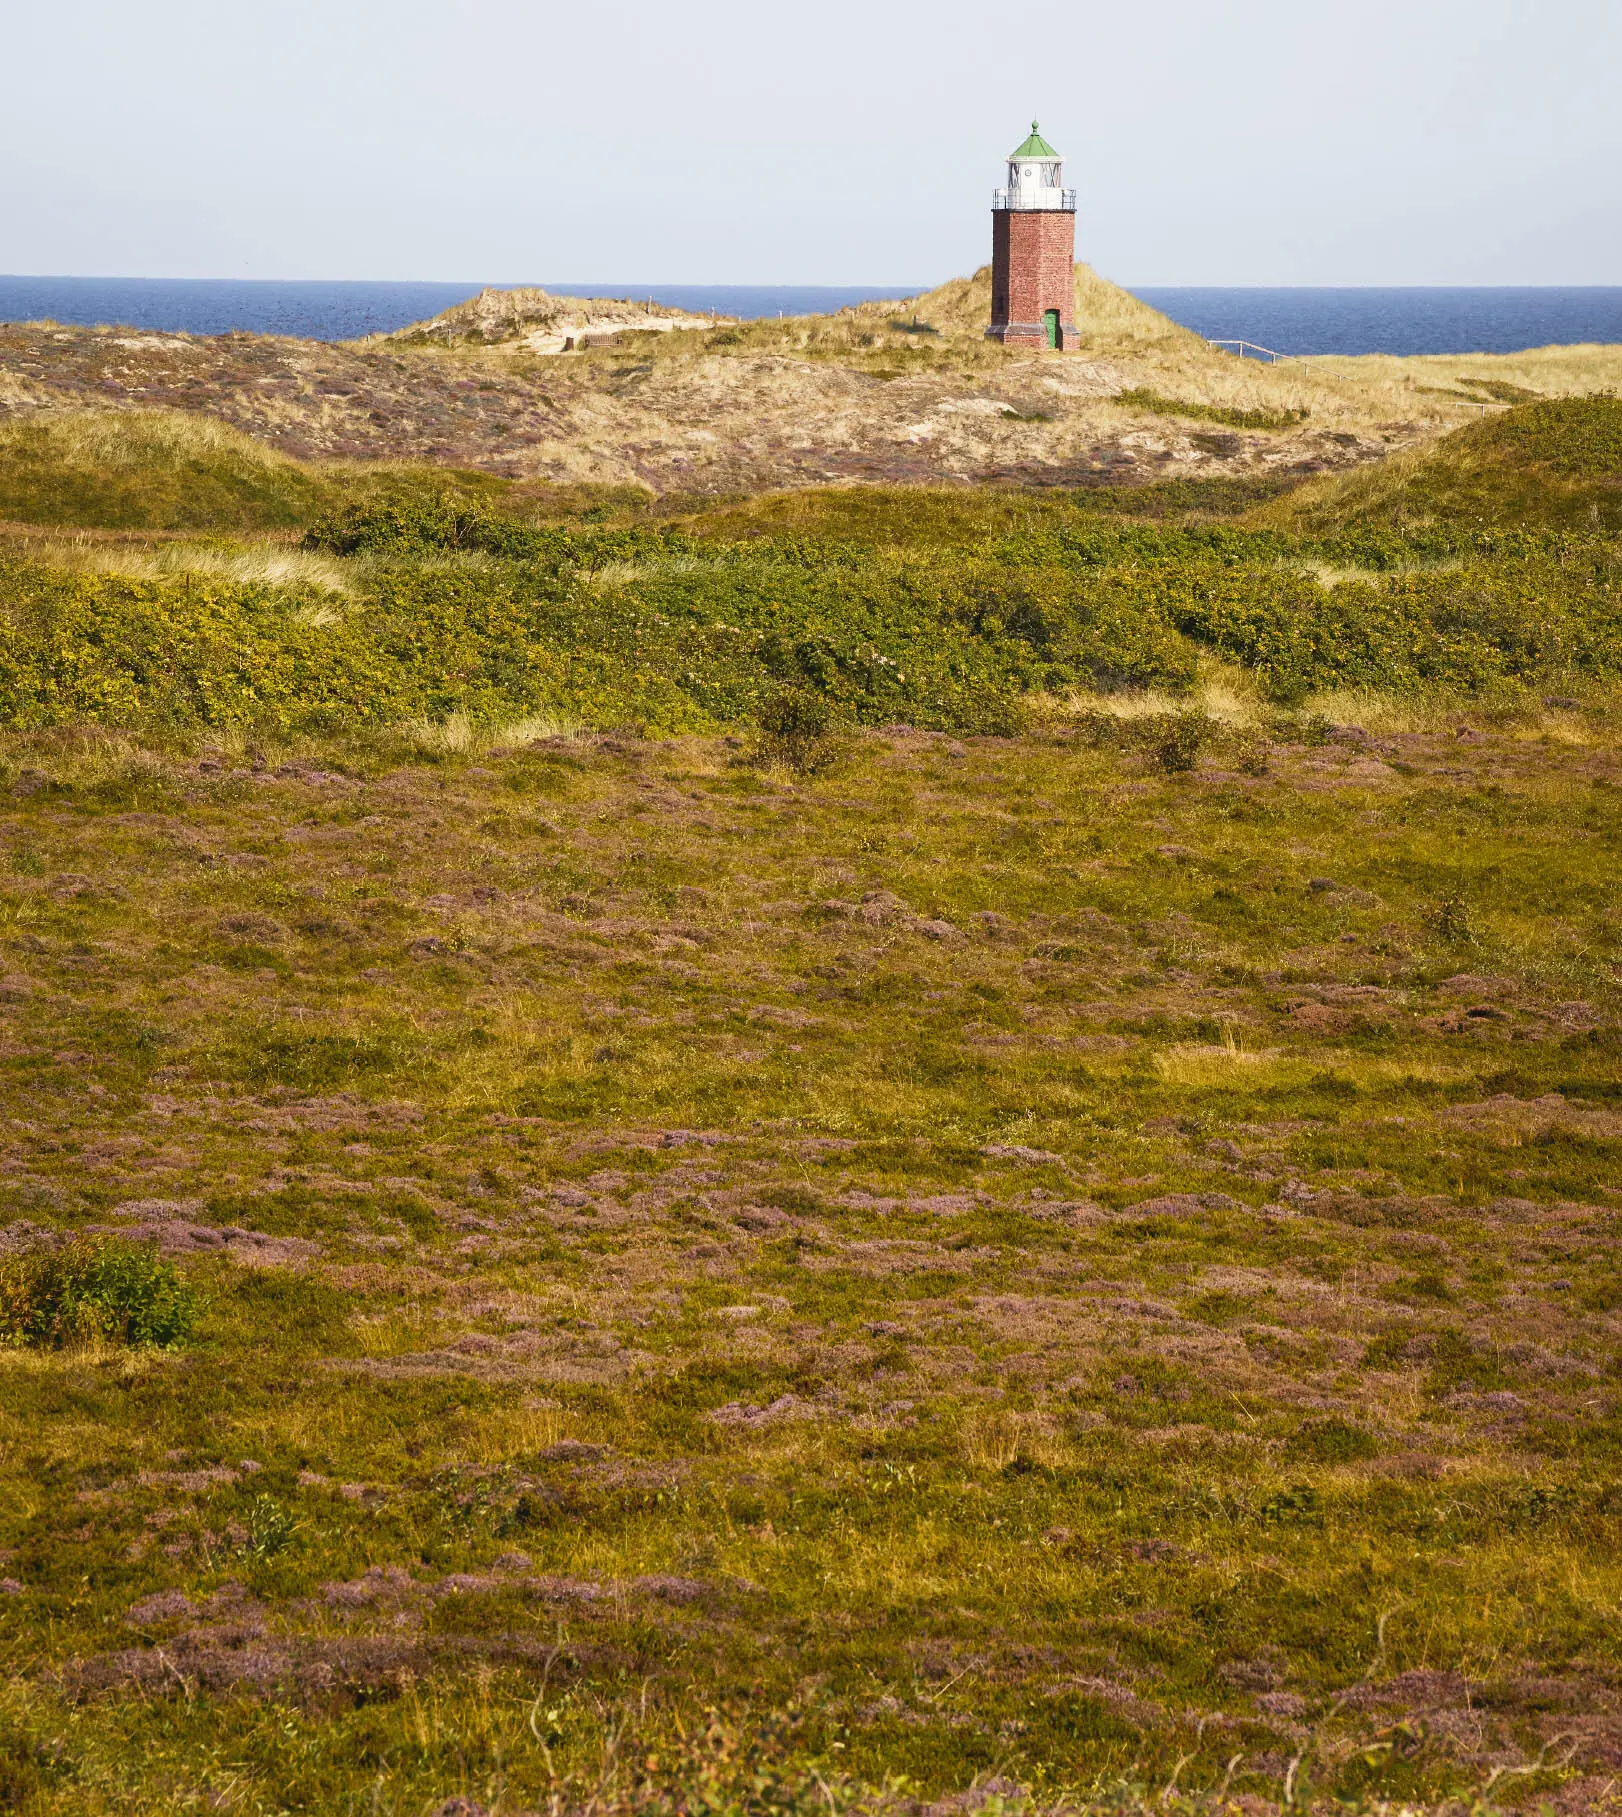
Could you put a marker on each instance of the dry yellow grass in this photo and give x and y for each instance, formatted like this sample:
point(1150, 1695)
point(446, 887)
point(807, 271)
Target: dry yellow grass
point(1225, 693)
point(119, 441)
point(1544, 371)
point(1232, 699)
point(1126, 345)
point(538, 322)
point(268, 564)
point(907, 391)
point(459, 736)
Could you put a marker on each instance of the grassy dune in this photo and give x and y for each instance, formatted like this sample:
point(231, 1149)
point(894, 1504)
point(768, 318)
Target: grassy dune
point(904, 393)
point(884, 1149)
point(153, 470)
point(1552, 464)
point(180, 470)
point(958, 610)
point(1144, 361)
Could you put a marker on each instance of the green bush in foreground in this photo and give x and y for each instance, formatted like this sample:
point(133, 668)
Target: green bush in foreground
point(1178, 746)
point(796, 728)
point(120, 1292)
point(429, 525)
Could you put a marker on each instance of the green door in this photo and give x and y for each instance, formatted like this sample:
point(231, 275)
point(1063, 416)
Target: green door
point(1051, 320)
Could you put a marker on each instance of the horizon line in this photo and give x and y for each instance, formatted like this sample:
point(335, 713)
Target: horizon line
point(643, 284)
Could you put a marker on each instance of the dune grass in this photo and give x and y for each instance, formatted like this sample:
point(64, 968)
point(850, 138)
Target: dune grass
point(147, 470)
point(263, 563)
point(1158, 367)
point(1128, 352)
point(1555, 463)
point(966, 610)
point(179, 470)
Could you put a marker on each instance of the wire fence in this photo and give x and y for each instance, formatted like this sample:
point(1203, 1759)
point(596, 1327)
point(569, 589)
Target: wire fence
point(1247, 350)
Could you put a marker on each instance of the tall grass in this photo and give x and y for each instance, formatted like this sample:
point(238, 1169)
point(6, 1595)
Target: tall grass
point(256, 564)
point(1556, 463)
point(460, 735)
point(147, 469)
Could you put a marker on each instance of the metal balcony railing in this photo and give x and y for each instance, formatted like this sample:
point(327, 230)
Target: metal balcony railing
point(1060, 200)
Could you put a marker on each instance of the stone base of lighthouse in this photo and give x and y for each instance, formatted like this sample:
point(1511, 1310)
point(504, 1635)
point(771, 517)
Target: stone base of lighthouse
point(1033, 278)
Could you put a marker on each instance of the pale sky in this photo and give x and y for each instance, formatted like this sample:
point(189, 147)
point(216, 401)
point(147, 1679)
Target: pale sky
point(712, 141)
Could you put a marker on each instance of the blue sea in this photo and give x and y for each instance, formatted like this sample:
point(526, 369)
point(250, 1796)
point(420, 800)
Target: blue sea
point(1298, 321)
point(344, 311)
point(1397, 321)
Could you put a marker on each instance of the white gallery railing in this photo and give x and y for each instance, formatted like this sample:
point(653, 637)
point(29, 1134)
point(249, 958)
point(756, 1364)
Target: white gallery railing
point(1061, 200)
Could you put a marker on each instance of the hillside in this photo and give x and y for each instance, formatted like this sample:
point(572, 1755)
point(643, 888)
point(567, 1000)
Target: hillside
point(1555, 464)
point(908, 393)
point(533, 321)
point(1005, 1264)
point(174, 470)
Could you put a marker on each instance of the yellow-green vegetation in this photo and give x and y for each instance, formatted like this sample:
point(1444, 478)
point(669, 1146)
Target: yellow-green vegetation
point(1457, 381)
point(959, 612)
point(1225, 414)
point(92, 1290)
point(993, 1263)
point(885, 1150)
point(176, 470)
point(1554, 463)
point(669, 634)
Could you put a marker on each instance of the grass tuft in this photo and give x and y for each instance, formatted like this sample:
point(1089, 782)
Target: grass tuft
point(1230, 416)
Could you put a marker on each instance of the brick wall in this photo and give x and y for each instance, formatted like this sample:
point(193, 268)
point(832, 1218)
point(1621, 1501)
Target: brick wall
point(1033, 269)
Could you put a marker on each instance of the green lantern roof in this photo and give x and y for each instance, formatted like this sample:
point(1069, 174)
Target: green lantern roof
point(1034, 147)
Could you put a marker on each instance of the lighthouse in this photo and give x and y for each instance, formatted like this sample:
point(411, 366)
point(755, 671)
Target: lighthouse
point(1033, 251)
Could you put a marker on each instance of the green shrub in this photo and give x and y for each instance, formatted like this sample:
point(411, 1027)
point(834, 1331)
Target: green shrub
point(1178, 741)
point(271, 1528)
point(794, 727)
point(661, 628)
point(1252, 754)
point(120, 1292)
point(1451, 922)
point(427, 525)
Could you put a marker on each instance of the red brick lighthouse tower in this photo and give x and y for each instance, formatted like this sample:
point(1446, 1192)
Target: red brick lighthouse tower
point(1033, 251)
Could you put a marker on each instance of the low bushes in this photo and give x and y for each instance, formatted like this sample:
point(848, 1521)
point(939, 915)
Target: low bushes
point(795, 727)
point(465, 611)
point(1485, 627)
point(429, 526)
point(87, 1290)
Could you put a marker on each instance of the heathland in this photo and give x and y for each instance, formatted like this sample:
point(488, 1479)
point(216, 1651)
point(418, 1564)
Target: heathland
point(676, 1144)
